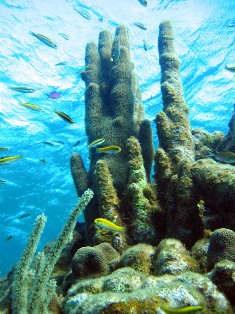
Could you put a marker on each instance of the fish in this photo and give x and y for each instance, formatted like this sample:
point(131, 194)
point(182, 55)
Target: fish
point(226, 157)
point(48, 143)
point(182, 309)
point(9, 237)
point(145, 45)
point(140, 25)
point(106, 224)
point(31, 106)
point(115, 51)
point(7, 159)
point(230, 67)
point(47, 41)
point(43, 161)
point(231, 25)
point(22, 89)
point(3, 181)
point(109, 149)
point(97, 142)
point(61, 63)
point(24, 216)
point(53, 95)
point(77, 143)
point(64, 116)
point(143, 2)
point(83, 13)
point(3, 148)
point(64, 36)
point(101, 19)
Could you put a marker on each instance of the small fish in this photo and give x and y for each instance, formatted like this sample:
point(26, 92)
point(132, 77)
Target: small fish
point(24, 216)
point(77, 143)
point(230, 67)
point(231, 25)
point(109, 149)
point(140, 25)
point(145, 45)
point(226, 157)
point(31, 106)
point(64, 36)
point(182, 309)
point(101, 19)
point(53, 95)
point(97, 142)
point(64, 116)
point(3, 148)
point(48, 143)
point(22, 89)
point(4, 160)
point(115, 51)
point(61, 63)
point(3, 181)
point(47, 41)
point(9, 237)
point(104, 223)
point(43, 161)
point(83, 13)
point(143, 2)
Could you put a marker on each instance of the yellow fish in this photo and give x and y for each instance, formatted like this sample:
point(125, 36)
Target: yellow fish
point(47, 41)
point(104, 223)
point(140, 25)
point(7, 159)
point(109, 149)
point(31, 106)
point(97, 142)
point(230, 67)
point(184, 309)
point(64, 116)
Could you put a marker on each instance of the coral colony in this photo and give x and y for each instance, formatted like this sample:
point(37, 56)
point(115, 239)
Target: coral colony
point(146, 247)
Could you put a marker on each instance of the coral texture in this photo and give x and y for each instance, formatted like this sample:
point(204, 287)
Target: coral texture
point(91, 262)
point(221, 246)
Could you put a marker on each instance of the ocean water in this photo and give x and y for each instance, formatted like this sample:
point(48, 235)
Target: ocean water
point(204, 41)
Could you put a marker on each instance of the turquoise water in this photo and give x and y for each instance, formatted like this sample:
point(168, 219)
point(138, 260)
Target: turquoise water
point(204, 42)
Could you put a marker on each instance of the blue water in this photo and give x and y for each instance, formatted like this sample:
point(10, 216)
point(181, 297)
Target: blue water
point(204, 42)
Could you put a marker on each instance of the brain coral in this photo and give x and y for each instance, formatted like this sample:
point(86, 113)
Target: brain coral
point(91, 262)
point(222, 246)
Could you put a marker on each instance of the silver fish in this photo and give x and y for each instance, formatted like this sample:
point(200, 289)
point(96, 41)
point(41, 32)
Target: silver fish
point(83, 13)
point(226, 157)
point(143, 2)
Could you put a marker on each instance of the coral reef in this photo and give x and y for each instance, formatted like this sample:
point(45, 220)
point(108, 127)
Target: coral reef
point(112, 96)
point(228, 143)
point(91, 262)
point(175, 229)
point(221, 246)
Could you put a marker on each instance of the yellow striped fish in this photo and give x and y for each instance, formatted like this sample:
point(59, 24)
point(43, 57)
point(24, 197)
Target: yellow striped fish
point(183, 309)
point(97, 142)
point(47, 41)
point(109, 150)
point(22, 89)
point(31, 106)
point(106, 224)
point(64, 116)
point(140, 25)
point(4, 160)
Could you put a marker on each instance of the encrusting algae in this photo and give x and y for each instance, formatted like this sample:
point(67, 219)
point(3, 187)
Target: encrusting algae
point(145, 247)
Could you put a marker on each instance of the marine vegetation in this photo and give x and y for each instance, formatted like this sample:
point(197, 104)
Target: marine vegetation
point(147, 246)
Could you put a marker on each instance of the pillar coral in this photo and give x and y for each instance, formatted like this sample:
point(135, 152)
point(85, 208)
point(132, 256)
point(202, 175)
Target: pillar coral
point(183, 183)
point(113, 111)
